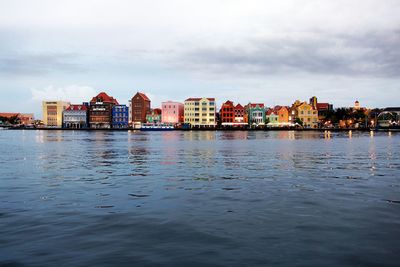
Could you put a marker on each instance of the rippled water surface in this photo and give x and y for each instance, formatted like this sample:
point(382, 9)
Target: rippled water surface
point(199, 198)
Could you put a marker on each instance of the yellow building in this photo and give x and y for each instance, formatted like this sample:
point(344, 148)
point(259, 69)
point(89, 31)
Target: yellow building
point(200, 112)
point(308, 115)
point(53, 112)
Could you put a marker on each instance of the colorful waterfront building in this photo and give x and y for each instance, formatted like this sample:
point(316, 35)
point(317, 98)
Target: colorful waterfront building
point(283, 114)
point(172, 112)
point(53, 112)
point(154, 116)
point(304, 112)
point(200, 112)
point(120, 116)
point(140, 108)
point(278, 116)
point(272, 117)
point(227, 113)
point(100, 111)
point(322, 108)
point(239, 114)
point(76, 116)
point(256, 114)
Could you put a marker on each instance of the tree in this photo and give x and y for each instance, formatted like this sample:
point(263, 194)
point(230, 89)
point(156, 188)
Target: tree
point(298, 121)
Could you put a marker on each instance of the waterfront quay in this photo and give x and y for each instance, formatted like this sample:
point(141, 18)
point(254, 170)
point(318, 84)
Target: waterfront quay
point(202, 113)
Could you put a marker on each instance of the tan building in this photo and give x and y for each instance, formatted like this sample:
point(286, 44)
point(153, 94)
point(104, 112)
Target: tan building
point(306, 113)
point(53, 112)
point(200, 112)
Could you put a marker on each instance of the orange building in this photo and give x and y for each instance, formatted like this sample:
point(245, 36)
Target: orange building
point(283, 114)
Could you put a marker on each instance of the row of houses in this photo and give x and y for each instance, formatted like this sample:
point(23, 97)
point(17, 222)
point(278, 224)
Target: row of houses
point(104, 112)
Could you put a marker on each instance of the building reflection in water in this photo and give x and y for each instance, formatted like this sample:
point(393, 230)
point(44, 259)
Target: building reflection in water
point(44, 136)
point(233, 135)
point(169, 150)
point(199, 135)
point(139, 152)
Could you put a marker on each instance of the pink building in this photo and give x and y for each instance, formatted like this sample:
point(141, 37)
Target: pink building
point(172, 112)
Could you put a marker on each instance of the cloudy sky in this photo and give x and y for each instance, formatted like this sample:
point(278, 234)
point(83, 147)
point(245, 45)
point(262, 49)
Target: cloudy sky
point(244, 50)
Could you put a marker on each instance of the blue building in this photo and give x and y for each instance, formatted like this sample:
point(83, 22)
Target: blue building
point(120, 116)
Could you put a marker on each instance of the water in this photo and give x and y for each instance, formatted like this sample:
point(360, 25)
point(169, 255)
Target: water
point(199, 198)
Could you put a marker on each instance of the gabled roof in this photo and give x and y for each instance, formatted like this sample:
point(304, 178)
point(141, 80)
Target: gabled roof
point(228, 103)
point(278, 108)
point(142, 95)
point(77, 107)
point(238, 106)
point(270, 112)
point(105, 98)
point(305, 104)
point(198, 99)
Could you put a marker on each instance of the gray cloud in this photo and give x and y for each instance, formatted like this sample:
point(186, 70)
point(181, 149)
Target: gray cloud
point(372, 54)
point(39, 63)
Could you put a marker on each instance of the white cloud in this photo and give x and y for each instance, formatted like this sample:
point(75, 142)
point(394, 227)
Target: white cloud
point(71, 93)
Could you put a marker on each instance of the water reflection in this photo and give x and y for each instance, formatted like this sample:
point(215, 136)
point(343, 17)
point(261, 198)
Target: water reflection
point(213, 198)
point(199, 135)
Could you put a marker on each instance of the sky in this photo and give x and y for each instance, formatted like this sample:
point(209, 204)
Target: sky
point(272, 52)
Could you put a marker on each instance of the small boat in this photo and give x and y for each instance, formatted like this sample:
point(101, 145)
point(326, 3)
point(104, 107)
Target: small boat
point(157, 127)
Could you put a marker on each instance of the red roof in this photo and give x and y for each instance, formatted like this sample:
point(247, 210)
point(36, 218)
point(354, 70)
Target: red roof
point(143, 96)
point(157, 111)
point(198, 99)
point(238, 106)
point(77, 107)
point(278, 108)
point(253, 105)
point(9, 114)
point(322, 106)
point(228, 103)
point(271, 111)
point(105, 98)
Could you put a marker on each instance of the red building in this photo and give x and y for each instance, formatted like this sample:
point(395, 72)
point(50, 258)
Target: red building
point(140, 108)
point(227, 113)
point(100, 111)
point(240, 114)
